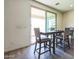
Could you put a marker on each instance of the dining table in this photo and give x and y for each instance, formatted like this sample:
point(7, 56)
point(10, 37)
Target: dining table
point(53, 34)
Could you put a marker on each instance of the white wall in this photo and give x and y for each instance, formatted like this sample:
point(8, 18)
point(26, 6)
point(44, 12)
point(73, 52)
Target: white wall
point(68, 19)
point(17, 23)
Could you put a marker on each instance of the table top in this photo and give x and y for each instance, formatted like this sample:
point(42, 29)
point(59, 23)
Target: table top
point(53, 32)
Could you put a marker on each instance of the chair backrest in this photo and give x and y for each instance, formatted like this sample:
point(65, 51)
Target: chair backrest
point(71, 31)
point(67, 33)
point(67, 29)
point(37, 33)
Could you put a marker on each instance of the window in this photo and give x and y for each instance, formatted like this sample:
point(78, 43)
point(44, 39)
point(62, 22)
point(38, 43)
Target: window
point(50, 21)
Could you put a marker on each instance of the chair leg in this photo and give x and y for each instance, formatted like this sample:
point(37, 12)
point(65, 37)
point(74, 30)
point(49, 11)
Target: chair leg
point(50, 46)
point(45, 45)
point(61, 41)
point(56, 43)
point(64, 47)
point(35, 47)
point(68, 44)
point(39, 50)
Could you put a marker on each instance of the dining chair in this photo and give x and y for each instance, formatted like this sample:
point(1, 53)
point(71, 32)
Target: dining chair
point(41, 40)
point(62, 39)
point(72, 33)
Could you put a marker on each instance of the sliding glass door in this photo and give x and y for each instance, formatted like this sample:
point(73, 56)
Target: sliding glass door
point(42, 19)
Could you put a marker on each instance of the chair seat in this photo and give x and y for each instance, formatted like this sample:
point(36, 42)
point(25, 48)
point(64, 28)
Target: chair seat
point(61, 38)
point(44, 40)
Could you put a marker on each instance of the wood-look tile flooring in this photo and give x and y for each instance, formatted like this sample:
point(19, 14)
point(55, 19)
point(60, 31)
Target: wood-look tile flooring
point(27, 53)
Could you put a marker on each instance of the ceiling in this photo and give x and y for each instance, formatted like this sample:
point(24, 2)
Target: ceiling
point(61, 5)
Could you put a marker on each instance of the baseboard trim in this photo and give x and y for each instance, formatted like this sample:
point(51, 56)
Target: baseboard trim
point(18, 49)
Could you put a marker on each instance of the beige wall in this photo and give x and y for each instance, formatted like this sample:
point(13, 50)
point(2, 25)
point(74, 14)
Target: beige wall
point(68, 19)
point(17, 23)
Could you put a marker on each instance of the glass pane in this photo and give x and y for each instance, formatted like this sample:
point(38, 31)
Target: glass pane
point(51, 22)
point(37, 21)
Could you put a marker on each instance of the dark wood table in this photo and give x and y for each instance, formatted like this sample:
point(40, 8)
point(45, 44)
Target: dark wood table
point(53, 33)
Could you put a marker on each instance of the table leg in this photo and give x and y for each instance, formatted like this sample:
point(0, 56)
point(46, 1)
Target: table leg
point(54, 43)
